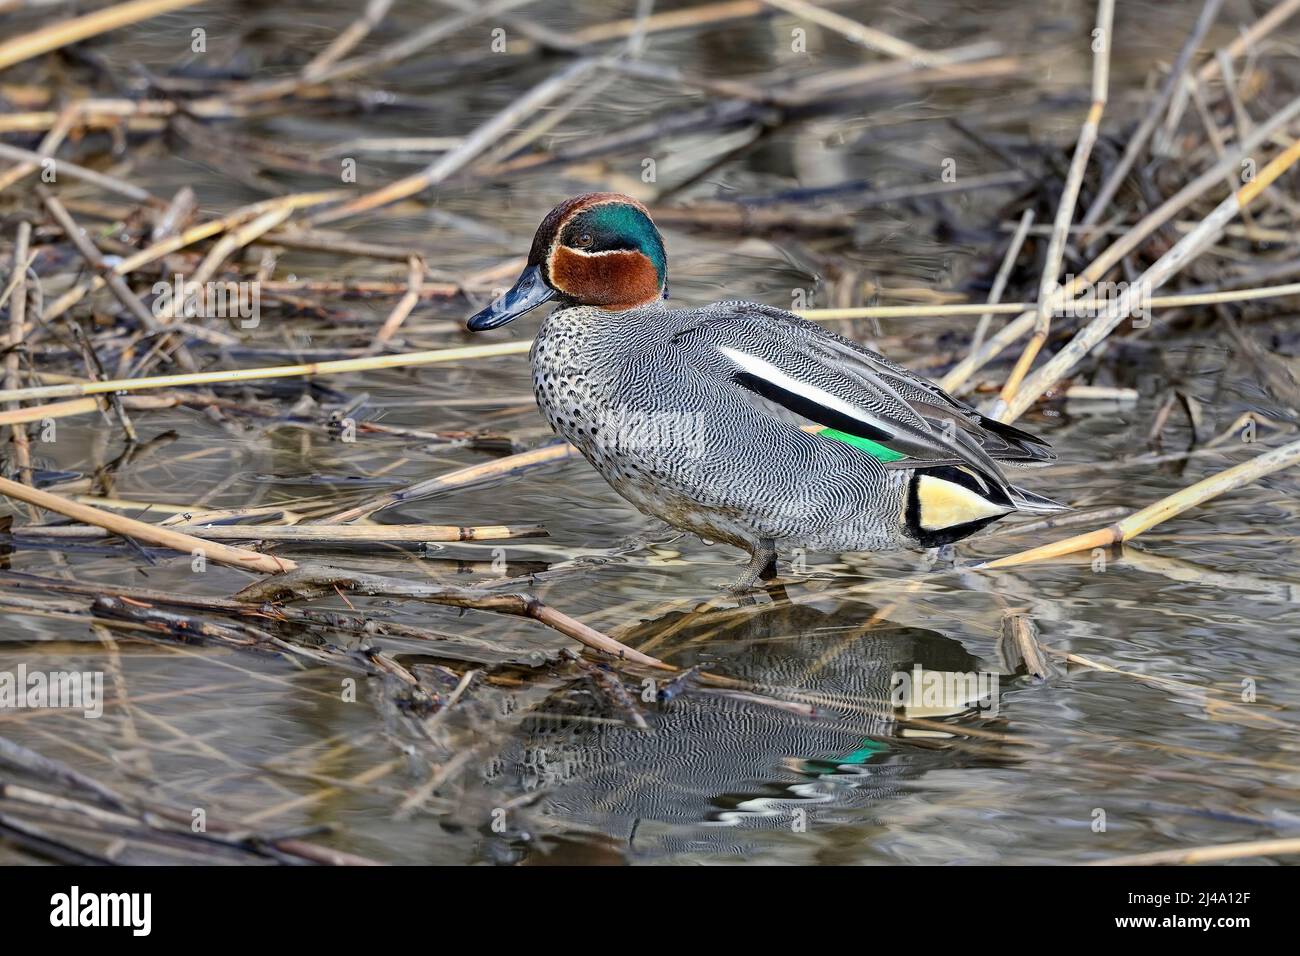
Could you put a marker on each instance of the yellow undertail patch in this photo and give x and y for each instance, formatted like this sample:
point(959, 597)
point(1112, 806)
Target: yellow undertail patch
point(945, 504)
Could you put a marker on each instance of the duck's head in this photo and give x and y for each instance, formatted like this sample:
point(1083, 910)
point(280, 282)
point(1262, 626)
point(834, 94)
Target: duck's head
point(599, 249)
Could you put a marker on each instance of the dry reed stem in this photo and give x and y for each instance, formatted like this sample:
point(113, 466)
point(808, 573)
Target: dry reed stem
point(148, 533)
point(1214, 853)
point(1180, 301)
point(49, 144)
point(1138, 141)
point(1184, 251)
point(1000, 280)
point(1049, 281)
point(74, 171)
point(897, 74)
point(475, 143)
point(344, 42)
point(65, 32)
point(310, 533)
point(17, 320)
point(333, 367)
point(869, 37)
point(94, 113)
point(1125, 244)
point(457, 479)
point(1140, 521)
point(414, 282)
point(1249, 37)
point(78, 406)
point(704, 15)
point(197, 233)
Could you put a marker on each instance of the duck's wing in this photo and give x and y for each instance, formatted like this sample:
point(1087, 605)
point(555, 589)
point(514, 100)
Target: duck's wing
point(1002, 442)
point(773, 356)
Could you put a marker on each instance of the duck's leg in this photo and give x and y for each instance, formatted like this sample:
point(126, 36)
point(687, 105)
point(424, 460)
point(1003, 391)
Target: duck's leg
point(762, 566)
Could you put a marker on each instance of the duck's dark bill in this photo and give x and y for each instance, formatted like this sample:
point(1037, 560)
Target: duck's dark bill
point(529, 292)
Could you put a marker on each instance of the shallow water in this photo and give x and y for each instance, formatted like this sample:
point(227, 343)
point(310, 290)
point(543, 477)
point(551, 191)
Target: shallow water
point(1161, 752)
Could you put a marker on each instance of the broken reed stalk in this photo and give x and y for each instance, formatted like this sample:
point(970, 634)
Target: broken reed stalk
point(1138, 141)
point(95, 259)
point(460, 478)
point(868, 37)
point(1249, 37)
point(1124, 245)
point(346, 41)
point(1069, 199)
point(226, 246)
point(1140, 521)
point(166, 246)
point(1000, 280)
point(62, 125)
point(1020, 638)
point(80, 406)
point(17, 291)
point(414, 282)
point(704, 15)
point(1184, 251)
point(293, 578)
point(475, 143)
point(73, 171)
point(147, 533)
point(308, 581)
point(95, 113)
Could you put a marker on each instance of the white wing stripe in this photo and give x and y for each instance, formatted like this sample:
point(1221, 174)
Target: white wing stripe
point(765, 370)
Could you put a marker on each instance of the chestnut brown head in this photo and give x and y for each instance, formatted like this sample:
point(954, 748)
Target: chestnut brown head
point(599, 249)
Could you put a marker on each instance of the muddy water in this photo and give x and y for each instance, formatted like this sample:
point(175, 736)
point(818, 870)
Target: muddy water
point(1187, 735)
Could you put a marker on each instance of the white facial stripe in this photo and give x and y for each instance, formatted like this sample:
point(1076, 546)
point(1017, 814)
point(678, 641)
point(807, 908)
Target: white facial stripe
point(556, 246)
point(765, 370)
point(604, 252)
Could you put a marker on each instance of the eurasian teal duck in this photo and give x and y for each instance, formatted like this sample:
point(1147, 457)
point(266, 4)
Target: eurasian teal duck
point(742, 422)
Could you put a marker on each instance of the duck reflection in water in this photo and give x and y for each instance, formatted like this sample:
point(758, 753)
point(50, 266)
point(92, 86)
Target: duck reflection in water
point(714, 765)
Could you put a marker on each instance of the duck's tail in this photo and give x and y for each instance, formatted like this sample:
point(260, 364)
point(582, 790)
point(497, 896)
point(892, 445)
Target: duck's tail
point(946, 503)
point(1030, 503)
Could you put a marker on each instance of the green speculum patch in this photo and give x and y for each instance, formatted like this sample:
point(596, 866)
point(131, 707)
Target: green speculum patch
point(872, 448)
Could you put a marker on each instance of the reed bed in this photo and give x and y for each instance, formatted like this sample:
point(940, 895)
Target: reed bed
point(1186, 185)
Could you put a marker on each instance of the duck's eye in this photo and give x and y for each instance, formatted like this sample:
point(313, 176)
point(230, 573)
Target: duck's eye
point(584, 241)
